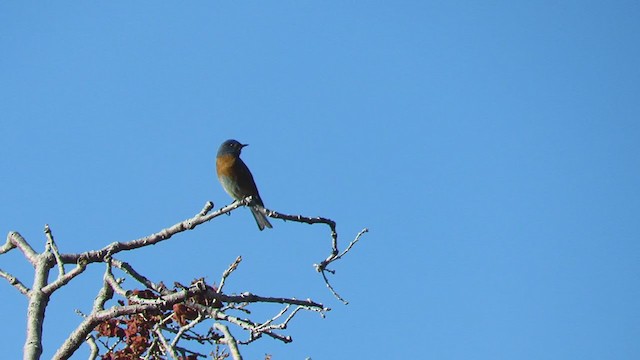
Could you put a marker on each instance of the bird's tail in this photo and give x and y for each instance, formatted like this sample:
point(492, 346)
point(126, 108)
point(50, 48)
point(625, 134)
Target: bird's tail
point(261, 219)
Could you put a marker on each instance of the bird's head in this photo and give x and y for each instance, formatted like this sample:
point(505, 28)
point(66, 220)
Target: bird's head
point(232, 147)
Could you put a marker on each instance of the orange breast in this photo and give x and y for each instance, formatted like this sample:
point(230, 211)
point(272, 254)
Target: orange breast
point(224, 165)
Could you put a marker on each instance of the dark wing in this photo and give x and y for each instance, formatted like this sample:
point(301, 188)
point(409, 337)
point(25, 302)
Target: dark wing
point(246, 184)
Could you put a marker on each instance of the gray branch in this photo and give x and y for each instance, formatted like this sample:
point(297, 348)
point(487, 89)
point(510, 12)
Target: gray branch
point(51, 245)
point(90, 322)
point(41, 291)
point(15, 240)
point(38, 301)
point(15, 282)
point(64, 279)
point(229, 340)
point(93, 346)
point(116, 247)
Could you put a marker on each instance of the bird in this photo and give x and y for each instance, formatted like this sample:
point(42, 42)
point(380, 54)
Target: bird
point(236, 179)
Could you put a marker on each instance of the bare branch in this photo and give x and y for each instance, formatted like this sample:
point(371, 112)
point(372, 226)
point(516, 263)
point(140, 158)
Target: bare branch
point(15, 282)
point(270, 321)
point(136, 275)
point(199, 296)
point(51, 246)
point(335, 256)
point(322, 267)
point(252, 298)
point(333, 291)
point(228, 272)
point(116, 247)
point(266, 326)
point(230, 341)
point(306, 220)
point(104, 295)
point(335, 253)
point(74, 340)
point(353, 242)
point(93, 346)
point(151, 348)
point(64, 278)
point(8, 245)
point(169, 349)
point(38, 301)
point(182, 329)
point(208, 206)
point(113, 282)
point(243, 323)
point(14, 239)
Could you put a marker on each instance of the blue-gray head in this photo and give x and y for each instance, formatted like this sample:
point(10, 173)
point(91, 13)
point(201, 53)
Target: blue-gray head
point(231, 147)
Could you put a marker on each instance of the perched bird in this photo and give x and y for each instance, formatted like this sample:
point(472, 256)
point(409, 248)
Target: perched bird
point(236, 179)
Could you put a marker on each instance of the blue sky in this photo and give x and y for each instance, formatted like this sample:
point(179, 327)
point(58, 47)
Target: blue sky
point(492, 148)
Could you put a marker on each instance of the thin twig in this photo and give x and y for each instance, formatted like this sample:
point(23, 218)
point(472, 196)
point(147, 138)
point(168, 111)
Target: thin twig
point(105, 294)
point(268, 322)
point(353, 242)
point(333, 291)
point(252, 298)
point(151, 348)
point(170, 350)
point(283, 325)
point(188, 326)
point(65, 278)
point(228, 272)
point(14, 239)
point(208, 206)
point(306, 220)
point(322, 267)
point(93, 346)
point(229, 340)
point(74, 340)
point(136, 275)
point(113, 282)
point(51, 246)
point(335, 253)
point(243, 323)
point(116, 247)
point(15, 282)
point(166, 298)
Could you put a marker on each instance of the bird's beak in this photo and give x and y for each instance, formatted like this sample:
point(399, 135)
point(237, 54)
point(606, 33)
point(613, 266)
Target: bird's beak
point(243, 145)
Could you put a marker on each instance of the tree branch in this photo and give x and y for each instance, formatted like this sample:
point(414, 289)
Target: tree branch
point(322, 267)
point(228, 272)
point(104, 295)
point(306, 220)
point(229, 340)
point(335, 252)
point(51, 246)
point(169, 349)
point(252, 298)
point(243, 323)
point(116, 247)
point(14, 239)
point(129, 270)
point(93, 346)
point(267, 325)
point(64, 278)
point(15, 282)
point(38, 301)
point(184, 328)
point(90, 322)
point(199, 296)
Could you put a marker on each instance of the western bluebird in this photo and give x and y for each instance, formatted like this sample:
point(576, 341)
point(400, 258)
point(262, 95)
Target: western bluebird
point(236, 179)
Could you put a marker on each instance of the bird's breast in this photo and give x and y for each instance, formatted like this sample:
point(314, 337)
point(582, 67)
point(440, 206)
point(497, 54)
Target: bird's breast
point(224, 165)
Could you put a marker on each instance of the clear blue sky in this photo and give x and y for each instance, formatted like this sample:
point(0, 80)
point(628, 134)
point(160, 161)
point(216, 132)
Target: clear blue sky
point(493, 149)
